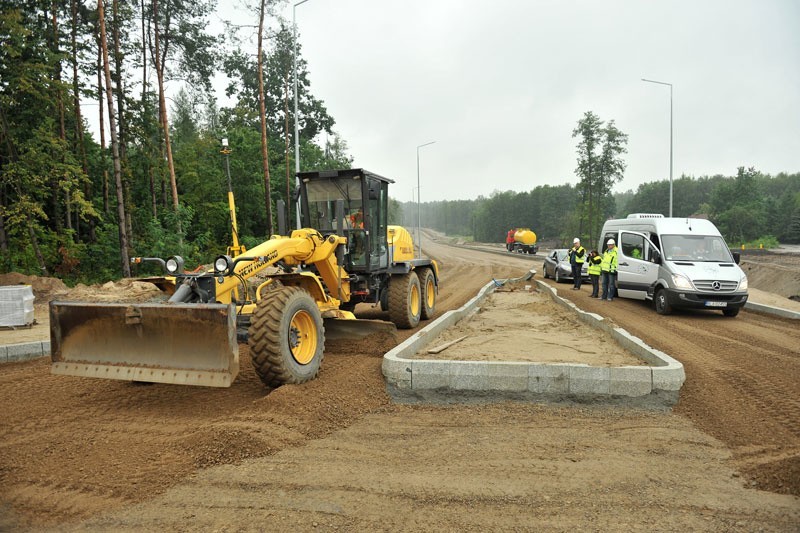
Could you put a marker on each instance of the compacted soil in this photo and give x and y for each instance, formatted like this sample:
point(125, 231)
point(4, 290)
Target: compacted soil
point(336, 453)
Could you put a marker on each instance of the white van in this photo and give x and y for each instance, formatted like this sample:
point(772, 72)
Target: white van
point(677, 262)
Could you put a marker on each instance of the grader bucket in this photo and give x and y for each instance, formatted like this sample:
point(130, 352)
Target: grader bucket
point(185, 344)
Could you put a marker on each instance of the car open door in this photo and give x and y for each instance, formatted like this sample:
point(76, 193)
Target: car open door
point(637, 271)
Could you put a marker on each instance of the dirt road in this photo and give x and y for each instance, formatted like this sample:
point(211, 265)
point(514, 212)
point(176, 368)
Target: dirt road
point(335, 453)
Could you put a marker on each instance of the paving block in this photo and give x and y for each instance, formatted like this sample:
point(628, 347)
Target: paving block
point(584, 379)
point(669, 377)
point(509, 377)
point(396, 370)
point(46, 348)
point(24, 351)
point(469, 375)
point(3, 354)
point(630, 381)
point(430, 374)
point(548, 379)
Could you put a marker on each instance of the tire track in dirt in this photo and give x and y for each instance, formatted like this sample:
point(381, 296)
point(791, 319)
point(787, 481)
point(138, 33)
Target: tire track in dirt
point(742, 380)
point(73, 447)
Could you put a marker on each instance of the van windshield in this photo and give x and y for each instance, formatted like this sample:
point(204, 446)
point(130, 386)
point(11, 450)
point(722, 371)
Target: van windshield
point(695, 248)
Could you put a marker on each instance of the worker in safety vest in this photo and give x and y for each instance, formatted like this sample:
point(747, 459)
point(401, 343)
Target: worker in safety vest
point(609, 270)
point(510, 239)
point(595, 260)
point(576, 258)
point(357, 220)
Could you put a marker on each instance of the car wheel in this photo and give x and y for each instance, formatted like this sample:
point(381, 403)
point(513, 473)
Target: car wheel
point(662, 303)
point(544, 270)
point(730, 312)
point(557, 276)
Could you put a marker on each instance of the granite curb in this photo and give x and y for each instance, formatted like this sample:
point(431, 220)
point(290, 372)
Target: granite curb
point(24, 351)
point(771, 310)
point(414, 378)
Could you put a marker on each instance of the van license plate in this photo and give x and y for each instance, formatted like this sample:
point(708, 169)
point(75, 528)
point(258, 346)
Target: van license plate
point(716, 304)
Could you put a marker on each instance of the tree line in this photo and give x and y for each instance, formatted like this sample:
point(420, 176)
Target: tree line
point(78, 207)
point(746, 207)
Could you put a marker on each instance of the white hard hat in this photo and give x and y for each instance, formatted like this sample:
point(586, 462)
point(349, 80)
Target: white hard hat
point(611, 241)
point(575, 240)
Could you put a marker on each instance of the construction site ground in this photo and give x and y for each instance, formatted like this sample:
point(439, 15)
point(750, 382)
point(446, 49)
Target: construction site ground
point(335, 453)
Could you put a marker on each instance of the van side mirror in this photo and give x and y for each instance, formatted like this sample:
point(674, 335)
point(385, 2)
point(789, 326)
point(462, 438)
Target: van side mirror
point(736, 257)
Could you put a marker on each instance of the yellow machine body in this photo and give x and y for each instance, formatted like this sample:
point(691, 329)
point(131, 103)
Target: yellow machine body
point(402, 244)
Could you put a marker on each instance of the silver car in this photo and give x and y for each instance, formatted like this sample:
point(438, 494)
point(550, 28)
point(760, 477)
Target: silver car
point(556, 266)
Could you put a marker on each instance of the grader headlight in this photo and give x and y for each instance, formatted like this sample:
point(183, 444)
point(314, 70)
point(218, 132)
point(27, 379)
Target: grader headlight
point(174, 265)
point(223, 264)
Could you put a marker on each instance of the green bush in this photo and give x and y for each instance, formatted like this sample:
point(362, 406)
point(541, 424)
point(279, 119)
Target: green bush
point(767, 241)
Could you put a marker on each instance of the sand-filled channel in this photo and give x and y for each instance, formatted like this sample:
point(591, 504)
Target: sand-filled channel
point(520, 323)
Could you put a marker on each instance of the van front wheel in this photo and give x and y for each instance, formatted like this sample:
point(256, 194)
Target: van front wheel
point(731, 312)
point(662, 303)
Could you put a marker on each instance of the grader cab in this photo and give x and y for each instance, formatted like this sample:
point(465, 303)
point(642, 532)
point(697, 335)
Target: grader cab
point(283, 296)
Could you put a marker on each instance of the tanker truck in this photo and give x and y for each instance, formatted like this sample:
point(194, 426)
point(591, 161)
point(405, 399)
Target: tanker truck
point(524, 241)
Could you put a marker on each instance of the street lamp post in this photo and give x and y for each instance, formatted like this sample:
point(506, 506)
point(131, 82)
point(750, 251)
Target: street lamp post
point(296, 127)
point(670, 139)
point(419, 215)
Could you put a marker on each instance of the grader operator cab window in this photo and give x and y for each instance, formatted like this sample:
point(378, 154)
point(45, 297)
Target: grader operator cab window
point(364, 220)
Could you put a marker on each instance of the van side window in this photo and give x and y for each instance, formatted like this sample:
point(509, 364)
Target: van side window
point(632, 245)
point(654, 240)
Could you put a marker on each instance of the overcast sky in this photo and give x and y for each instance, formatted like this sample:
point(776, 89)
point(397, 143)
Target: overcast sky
point(500, 86)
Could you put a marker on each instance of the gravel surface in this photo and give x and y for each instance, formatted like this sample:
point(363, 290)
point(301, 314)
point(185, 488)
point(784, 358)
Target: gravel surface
point(335, 453)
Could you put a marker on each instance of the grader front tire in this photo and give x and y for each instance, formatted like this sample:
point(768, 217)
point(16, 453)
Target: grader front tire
point(405, 300)
point(286, 337)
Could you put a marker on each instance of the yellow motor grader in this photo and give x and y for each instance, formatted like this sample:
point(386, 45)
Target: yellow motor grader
point(345, 253)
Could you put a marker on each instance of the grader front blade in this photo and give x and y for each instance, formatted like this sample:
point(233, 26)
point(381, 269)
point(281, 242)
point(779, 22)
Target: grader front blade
point(185, 344)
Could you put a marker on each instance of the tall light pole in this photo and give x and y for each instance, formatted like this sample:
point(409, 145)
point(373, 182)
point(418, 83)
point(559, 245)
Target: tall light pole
point(670, 139)
point(419, 215)
point(296, 127)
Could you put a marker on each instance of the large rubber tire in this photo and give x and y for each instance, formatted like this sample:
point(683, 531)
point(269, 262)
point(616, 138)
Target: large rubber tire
point(544, 270)
point(732, 312)
point(428, 283)
point(557, 276)
point(662, 302)
point(405, 300)
point(286, 337)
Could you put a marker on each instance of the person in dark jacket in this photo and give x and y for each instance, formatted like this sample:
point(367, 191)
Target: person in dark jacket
point(576, 258)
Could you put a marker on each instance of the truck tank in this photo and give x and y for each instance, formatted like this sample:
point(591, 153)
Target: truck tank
point(525, 236)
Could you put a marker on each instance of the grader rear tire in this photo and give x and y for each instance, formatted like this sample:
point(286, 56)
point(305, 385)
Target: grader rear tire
point(428, 282)
point(286, 337)
point(405, 300)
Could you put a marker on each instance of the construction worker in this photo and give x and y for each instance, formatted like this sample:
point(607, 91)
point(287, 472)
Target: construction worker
point(609, 271)
point(595, 259)
point(576, 258)
point(510, 239)
point(357, 220)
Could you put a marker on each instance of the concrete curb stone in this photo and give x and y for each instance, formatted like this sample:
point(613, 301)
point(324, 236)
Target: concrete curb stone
point(25, 351)
point(771, 310)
